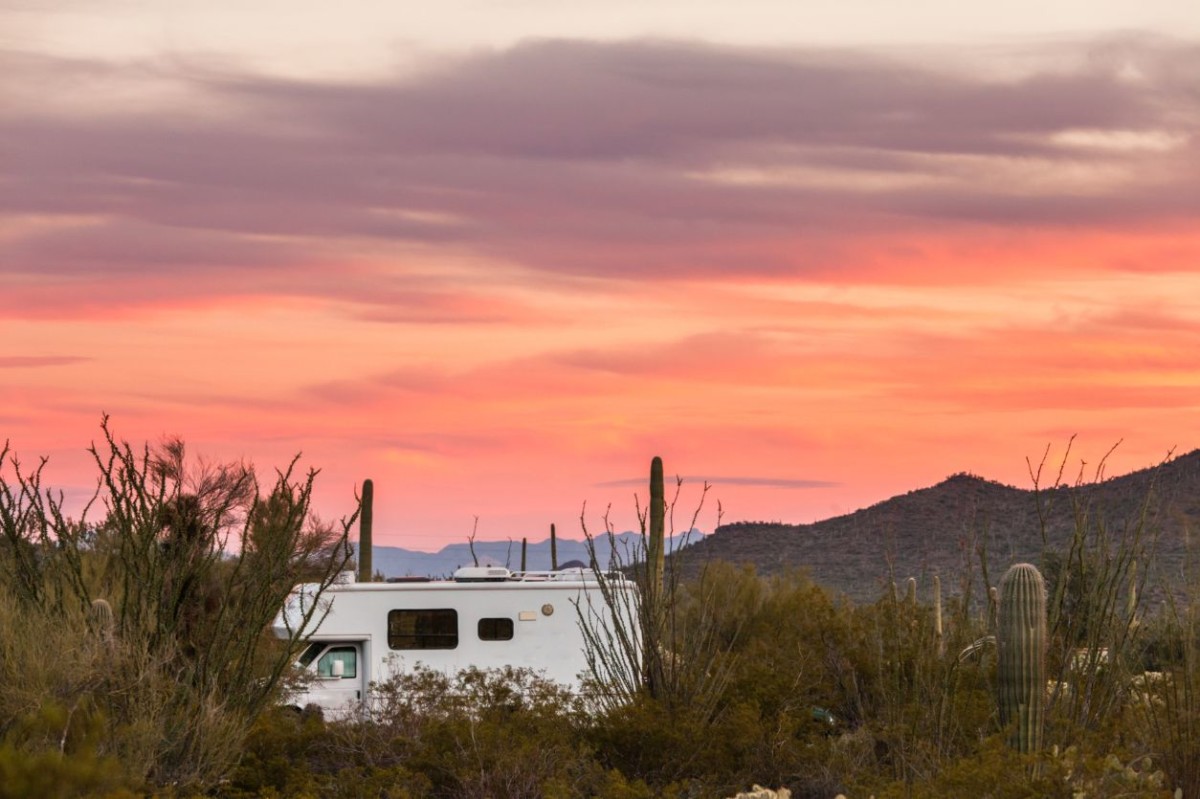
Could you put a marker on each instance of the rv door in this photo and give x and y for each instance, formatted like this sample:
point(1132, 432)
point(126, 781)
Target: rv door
point(338, 678)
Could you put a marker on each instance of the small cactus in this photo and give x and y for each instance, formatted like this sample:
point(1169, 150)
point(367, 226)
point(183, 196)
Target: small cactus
point(105, 622)
point(912, 592)
point(1021, 667)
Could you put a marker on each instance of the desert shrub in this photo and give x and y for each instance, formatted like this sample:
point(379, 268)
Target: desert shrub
point(280, 756)
point(57, 752)
point(644, 741)
point(486, 733)
point(478, 733)
point(995, 771)
point(157, 615)
point(923, 701)
point(1165, 698)
point(52, 740)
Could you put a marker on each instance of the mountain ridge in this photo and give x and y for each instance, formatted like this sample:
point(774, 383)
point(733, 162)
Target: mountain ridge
point(941, 529)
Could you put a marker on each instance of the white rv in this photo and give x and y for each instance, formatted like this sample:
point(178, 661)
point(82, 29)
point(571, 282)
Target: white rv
point(484, 617)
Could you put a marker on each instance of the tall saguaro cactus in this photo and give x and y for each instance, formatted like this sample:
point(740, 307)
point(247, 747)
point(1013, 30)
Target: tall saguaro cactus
point(365, 521)
point(1021, 642)
point(654, 666)
point(655, 545)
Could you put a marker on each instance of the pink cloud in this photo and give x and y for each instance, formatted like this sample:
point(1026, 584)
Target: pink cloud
point(589, 159)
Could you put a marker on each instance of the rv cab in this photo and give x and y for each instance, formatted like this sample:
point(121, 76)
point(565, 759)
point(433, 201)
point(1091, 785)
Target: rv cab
point(335, 676)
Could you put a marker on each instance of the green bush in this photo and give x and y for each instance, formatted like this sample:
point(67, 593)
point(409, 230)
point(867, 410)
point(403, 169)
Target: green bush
point(56, 752)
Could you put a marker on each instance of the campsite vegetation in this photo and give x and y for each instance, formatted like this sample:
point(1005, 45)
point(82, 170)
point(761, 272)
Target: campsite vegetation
point(135, 660)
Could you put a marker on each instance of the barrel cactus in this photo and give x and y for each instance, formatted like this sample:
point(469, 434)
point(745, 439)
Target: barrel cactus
point(1021, 644)
point(104, 621)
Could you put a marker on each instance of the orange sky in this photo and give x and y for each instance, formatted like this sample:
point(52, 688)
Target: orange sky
point(499, 283)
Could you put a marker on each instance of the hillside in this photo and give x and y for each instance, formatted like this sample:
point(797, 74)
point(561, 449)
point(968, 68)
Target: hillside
point(940, 529)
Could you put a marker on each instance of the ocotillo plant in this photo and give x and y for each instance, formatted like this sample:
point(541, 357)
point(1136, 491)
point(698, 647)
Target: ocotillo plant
point(365, 520)
point(1021, 643)
point(1132, 605)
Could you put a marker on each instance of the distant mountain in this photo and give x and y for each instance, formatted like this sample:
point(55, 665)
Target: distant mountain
point(940, 530)
point(400, 562)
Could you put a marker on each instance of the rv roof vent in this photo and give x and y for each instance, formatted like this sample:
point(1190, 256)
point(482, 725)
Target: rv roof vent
point(481, 574)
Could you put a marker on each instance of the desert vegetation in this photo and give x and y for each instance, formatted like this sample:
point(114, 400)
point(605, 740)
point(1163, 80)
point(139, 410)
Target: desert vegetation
point(135, 660)
point(135, 652)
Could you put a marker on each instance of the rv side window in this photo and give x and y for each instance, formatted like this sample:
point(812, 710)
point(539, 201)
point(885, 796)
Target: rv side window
point(346, 655)
point(495, 629)
point(423, 629)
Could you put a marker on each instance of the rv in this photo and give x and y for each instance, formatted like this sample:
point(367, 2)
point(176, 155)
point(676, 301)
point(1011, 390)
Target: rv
point(486, 617)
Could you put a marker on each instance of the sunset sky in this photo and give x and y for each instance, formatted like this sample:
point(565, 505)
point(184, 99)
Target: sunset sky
point(497, 255)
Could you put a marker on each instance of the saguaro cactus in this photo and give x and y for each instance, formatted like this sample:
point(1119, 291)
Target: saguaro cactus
point(366, 520)
point(655, 545)
point(654, 666)
point(553, 548)
point(1021, 643)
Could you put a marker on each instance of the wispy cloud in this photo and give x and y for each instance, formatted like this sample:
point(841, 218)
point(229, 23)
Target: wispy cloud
point(718, 481)
point(636, 161)
point(38, 361)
